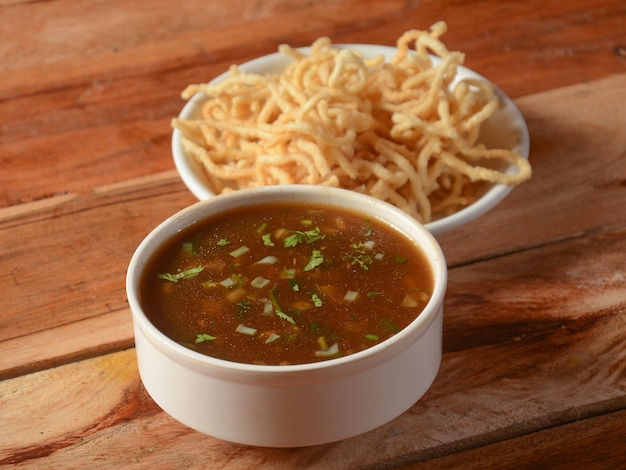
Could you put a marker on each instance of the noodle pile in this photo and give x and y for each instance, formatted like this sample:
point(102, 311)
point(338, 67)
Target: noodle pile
point(395, 130)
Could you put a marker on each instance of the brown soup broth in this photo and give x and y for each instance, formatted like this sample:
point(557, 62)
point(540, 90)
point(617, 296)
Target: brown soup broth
point(285, 284)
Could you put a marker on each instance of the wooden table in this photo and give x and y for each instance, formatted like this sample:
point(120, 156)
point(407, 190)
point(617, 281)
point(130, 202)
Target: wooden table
point(534, 367)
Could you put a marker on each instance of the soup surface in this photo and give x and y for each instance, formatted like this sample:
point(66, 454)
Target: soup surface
point(285, 284)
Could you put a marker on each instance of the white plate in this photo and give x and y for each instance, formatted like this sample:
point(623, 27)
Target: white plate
point(505, 129)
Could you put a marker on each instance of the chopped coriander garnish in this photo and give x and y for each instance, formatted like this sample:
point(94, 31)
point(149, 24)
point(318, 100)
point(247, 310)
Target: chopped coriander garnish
point(308, 236)
point(267, 239)
point(277, 309)
point(222, 242)
point(188, 274)
point(316, 259)
point(358, 256)
point(316, 300)
point(203, 338)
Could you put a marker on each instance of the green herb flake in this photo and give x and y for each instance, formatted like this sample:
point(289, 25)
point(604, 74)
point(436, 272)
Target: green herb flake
point(308, 236)
point(316, 259)
point(374, 294)
point(358, 256)
point(262, 227)
point(316, 300)
point(293, 239)
point(277, 309)
point(267, 239)
point(371, 337)
point(399, 259)
point(188, 274)
point(223, 242)
point(203, 338)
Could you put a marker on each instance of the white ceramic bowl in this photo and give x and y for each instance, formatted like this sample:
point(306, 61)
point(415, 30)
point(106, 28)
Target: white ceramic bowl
point(505, 129)
point(291, 405)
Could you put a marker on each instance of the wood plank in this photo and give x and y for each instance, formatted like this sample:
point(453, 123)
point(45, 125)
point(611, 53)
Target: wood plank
point(515, 363)
point(89, 90)
point(578, 144)
point(593, 444)
point(90, 238)
point(64, 267)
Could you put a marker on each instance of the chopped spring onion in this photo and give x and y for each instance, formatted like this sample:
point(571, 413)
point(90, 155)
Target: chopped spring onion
point(202, 338)
point(322, 342)
point(239, 251)
point(268, 308)
point(351, 296)
point(371, 337)
point(368, 245)
point(259, 282)
point(228, 282)
point(331, 351)
point(267, 260)
point(271, 338)
point(188, 274)
point(379, 256)
point(409, 301)
point(284, 316)
point(246, 330)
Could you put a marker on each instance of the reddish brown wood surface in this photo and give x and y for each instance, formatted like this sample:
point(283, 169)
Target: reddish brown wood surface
point(535, 322)
point(87, 90)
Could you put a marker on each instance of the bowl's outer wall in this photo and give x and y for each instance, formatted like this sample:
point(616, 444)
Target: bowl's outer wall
point(287, 406)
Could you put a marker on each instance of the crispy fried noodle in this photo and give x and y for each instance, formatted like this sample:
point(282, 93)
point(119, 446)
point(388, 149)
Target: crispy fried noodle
point(399, 130)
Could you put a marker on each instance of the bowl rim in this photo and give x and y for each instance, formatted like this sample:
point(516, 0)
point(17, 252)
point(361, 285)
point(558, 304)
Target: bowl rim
point(210, 207)
point(192, 174)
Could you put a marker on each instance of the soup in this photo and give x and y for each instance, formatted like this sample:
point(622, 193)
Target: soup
point(285, 284)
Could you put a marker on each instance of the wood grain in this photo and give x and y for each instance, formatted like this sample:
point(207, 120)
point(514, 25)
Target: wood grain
point(85, 96)
point(534, 366)
point(513, 365)
point(71, 277)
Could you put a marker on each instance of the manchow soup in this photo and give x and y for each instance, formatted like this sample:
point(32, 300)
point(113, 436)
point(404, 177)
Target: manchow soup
point(285, 284)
